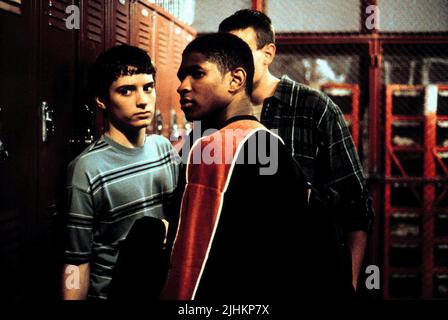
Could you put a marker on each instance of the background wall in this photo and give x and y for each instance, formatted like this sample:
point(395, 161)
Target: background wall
point(208, 13)
point(413, 15)
point(315, 16)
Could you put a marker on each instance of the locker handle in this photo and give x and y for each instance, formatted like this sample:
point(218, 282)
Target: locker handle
point(174, 127)
point(47, 115)
point(159, 122)
point(3, 152)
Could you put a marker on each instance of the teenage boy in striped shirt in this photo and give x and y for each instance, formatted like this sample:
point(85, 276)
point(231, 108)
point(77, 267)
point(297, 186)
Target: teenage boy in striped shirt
point(120, 178)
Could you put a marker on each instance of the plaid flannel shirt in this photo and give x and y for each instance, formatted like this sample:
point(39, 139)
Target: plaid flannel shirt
point(313, 128)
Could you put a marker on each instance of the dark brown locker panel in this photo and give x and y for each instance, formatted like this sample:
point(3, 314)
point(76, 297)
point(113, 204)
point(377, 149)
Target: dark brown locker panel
point(54, 111)
point(92, 41)
point(182, 35)
point(120, 25)
point(143, 19)
point(17, 144)
point(93, 23)
point(176, 115)
point(164, 70)
point(56, 97)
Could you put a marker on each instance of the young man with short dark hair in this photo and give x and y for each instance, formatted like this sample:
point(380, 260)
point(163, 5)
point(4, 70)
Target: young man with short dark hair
point(120, 178)
point(243, 212)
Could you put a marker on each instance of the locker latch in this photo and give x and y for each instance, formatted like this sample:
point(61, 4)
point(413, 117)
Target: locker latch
point(159, 122)
point(47, 122)
point(174, 126)
point(3, 152)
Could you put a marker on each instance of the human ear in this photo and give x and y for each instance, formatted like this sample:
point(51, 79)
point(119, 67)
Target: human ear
point(100, 103)
point(269, 53)
point(238, 79)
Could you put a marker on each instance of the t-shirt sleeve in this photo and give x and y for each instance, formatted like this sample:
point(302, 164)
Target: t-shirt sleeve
point(175, 162)
point(79, 217)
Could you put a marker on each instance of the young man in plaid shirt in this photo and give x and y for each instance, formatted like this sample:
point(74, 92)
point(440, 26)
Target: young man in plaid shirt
point(312, 127)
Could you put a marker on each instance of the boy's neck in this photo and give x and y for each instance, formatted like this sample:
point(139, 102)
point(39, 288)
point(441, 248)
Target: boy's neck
point(240, 106)
point(133, 139)
point(264, 88)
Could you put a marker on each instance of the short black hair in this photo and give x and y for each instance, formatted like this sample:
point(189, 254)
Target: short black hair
point(227, 51)
point(121, 60)
point(247, 18)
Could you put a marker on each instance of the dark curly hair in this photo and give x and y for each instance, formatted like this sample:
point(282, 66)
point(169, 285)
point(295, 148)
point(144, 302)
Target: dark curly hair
point(121, 60)
point(227, 51)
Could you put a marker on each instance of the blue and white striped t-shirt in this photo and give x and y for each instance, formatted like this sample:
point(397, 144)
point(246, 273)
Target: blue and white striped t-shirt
point(109, 187)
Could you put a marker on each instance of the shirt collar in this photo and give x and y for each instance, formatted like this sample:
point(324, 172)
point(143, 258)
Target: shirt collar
point(237, 118)
point(279, 94)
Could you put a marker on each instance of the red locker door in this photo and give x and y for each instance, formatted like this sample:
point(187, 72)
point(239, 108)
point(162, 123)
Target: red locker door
point(18, 144)
point(120, 23)
point(143, 19)
point(181, 37)
point(164, 70)
point(56, 70)
point(92, 42)
point(54, 111)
